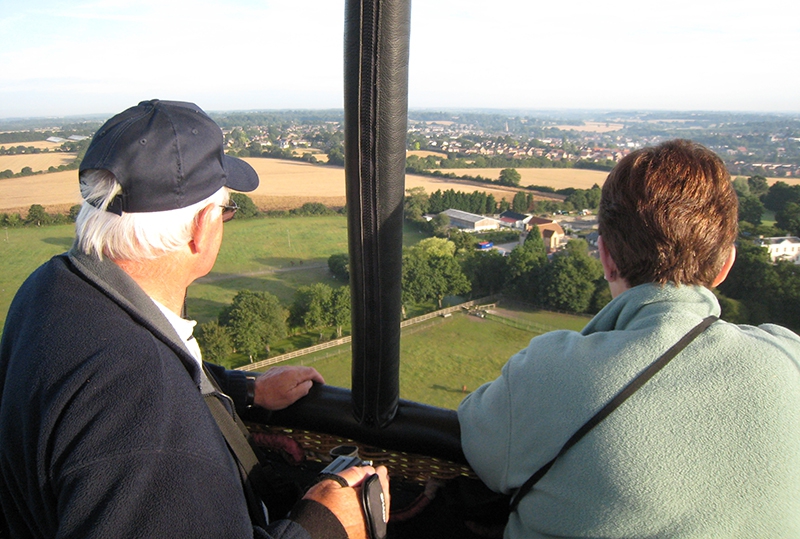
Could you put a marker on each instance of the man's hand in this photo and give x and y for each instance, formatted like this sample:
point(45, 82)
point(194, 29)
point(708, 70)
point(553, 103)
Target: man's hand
point(281, 386)
point(345, 502)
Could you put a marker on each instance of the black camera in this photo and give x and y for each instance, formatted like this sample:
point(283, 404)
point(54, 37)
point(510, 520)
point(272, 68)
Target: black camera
point(343, 462)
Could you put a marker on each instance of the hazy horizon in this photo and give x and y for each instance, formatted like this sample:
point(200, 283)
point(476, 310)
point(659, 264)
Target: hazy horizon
point(84, 58)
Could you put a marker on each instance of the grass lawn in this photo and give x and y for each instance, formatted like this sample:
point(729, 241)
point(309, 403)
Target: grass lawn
point(22, 250)
point(440, 356)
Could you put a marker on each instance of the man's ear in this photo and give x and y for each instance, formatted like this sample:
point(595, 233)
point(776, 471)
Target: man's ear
point(201, 229)
point(726, 267)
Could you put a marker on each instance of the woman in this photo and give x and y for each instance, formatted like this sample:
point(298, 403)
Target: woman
point(710, 446)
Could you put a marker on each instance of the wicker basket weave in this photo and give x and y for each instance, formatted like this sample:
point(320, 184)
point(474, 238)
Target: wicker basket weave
point(410, 467)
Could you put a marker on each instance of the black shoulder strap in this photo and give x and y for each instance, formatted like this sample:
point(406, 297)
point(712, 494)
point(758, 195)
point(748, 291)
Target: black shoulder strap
point(626, 392)
point(237, 437)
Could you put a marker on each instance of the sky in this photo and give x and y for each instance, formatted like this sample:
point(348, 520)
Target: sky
point(77, 57)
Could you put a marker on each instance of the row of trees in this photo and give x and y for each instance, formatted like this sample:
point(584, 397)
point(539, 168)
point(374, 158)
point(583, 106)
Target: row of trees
point(419, 203)
point(570, 281)
point(38, 216)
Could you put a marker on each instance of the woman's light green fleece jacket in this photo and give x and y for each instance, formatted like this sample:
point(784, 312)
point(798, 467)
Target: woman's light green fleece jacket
point(710, 447)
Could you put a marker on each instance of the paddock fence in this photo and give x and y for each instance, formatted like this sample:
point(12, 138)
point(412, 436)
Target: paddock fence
point(258, 365)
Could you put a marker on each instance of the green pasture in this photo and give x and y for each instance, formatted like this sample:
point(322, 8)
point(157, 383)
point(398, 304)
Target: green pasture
point(275, 255)
point(22, 250)
point(441, 356)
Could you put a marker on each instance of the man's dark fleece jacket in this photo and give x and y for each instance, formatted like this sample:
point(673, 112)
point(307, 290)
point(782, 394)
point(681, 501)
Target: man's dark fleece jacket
point(104, 430)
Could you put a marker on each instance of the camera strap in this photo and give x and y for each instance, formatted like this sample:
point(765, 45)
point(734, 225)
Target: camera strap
point(237, 437)
point(626, 392)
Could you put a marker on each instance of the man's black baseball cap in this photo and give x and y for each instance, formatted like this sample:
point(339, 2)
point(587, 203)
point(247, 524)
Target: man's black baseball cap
point(166, 155)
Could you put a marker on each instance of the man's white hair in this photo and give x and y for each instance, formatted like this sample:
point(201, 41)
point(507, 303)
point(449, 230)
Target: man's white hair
point(132, 236)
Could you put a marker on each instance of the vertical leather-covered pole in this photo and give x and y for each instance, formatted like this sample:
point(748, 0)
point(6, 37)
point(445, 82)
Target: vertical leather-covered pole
point(375, 122)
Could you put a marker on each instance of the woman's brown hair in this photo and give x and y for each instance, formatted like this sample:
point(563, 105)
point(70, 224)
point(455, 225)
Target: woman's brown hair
point(669, 213)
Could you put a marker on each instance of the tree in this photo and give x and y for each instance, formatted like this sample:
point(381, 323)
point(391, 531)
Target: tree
point(431, 272)
point(741, 186)
point(440, 224)
point(73, 212)
point(780, 194)
point(247, 207)
point(464, 241)
point(487, 271)
point(758, 185)
point(789, 218)
point(339, 266)
point(491, 205)
point(336, 156)
point(531, 254)
point(754, 281)
point(255, 319)
point(569, 282)
point(37, 216)
point(510, 176)
point(215, 342)
point(416, 203)
point(311, 306)
point(520, 202)
point(750, 209)
point(436, 247)
point(340, 309)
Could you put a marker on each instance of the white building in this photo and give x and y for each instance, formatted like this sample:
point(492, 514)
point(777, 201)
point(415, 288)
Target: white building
point(471, 222)
point(783, 248)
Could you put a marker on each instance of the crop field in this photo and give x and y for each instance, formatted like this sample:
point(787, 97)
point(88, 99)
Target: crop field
point(37, 161)
point(557, 178)
point(284, 185)
point(41, 144)
point(56, 191)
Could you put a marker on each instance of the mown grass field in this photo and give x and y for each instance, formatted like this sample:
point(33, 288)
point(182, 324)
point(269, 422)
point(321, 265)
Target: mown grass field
point(275, 255)
point(438, 358)
point(22, 250)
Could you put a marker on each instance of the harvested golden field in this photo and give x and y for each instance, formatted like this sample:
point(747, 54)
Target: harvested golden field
point(284, 185)
point(55, 191)
point(43, 144)
point(286, 182)
point(289, 184)
point(426, 153)
point(557, 178)
point(37, 161)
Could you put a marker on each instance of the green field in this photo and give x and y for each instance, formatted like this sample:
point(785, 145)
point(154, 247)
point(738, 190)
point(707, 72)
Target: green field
point(22, 250)
point(441, 356)
point(438, 357)
point(275, 255)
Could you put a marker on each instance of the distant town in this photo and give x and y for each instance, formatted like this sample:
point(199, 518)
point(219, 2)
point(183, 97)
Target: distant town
point(750, 143)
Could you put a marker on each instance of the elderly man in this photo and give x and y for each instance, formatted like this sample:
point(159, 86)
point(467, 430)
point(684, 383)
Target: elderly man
point(103, 421)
